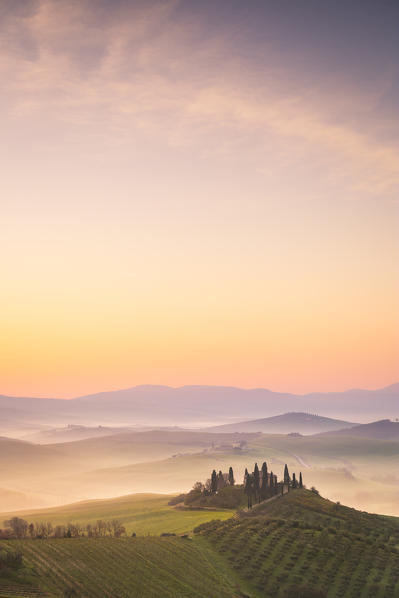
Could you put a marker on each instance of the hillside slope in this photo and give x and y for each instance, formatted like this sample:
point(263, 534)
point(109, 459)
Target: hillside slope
point(138, 447)
point(19, 458)
point(147, 567)
point(140, 513)
point(383, 429)
point(71, 433)
point(302, 539)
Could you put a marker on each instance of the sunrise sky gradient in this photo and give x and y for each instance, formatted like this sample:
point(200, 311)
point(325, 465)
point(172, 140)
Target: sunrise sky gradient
point(198, 193)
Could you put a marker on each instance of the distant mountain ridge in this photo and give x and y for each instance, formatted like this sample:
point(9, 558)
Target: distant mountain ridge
point(198, 406)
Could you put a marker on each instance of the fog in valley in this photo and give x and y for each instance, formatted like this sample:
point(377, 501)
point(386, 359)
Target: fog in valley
point(163, 440)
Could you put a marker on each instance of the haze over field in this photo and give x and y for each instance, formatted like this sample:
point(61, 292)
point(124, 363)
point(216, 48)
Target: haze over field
point(162, 439)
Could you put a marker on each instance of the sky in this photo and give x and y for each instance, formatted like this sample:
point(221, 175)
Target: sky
point(198, 193)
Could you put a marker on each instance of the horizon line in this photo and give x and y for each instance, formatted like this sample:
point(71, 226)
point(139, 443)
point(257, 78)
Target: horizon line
point(101, 392)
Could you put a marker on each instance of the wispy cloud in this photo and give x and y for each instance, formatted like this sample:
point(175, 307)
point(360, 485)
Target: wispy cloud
point(133, 65)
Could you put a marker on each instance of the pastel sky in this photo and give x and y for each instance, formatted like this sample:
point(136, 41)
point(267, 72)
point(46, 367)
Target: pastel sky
point(198, 192)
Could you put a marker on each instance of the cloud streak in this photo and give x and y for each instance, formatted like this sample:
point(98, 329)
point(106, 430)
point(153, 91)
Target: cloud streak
point(134, 66)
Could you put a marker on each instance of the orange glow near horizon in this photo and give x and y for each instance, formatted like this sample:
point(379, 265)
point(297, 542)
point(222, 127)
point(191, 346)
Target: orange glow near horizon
point(163, 224)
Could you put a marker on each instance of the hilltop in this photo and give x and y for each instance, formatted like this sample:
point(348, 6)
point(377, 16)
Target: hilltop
point(302, 423)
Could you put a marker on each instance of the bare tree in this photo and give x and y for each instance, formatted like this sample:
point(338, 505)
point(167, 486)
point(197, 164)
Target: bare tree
point(18, 526)
point(102, 527)
point(117, 528)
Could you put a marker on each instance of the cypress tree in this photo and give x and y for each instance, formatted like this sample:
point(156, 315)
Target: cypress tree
point(294, 482)
point(214, 482)
point(245, 476)
point(231, 477)
point(221, 482)
point(286, 475)
point(273, 483)
point(256, 482)
point(263, 489)
point(248, 489)
point(300, 480)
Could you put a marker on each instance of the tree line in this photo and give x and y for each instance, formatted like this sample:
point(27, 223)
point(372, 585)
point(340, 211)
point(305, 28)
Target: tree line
point(19, 528)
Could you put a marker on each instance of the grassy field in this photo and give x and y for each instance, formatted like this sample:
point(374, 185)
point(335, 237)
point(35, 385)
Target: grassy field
point(140, 513)
point(121, 568)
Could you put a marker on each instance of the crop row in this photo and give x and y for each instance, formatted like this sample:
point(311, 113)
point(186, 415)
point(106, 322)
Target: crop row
point(276, 554)
point(125, 567)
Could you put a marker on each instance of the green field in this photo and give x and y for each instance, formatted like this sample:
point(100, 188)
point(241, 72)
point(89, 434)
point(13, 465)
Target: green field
point(295, 540)
point(123, 568)
point(140, 513)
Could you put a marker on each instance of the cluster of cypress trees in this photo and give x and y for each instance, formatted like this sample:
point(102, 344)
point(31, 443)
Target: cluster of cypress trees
point(292, 483)
point(258, 485)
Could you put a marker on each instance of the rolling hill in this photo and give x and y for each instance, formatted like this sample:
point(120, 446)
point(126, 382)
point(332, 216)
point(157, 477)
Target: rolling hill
point(19, 458)
point(71, 433)
point(139, 447)
point(384, 429)
point(294, 545)
point(54, 474)
point(303, 540)
point(302, 423)
point(359, 471)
